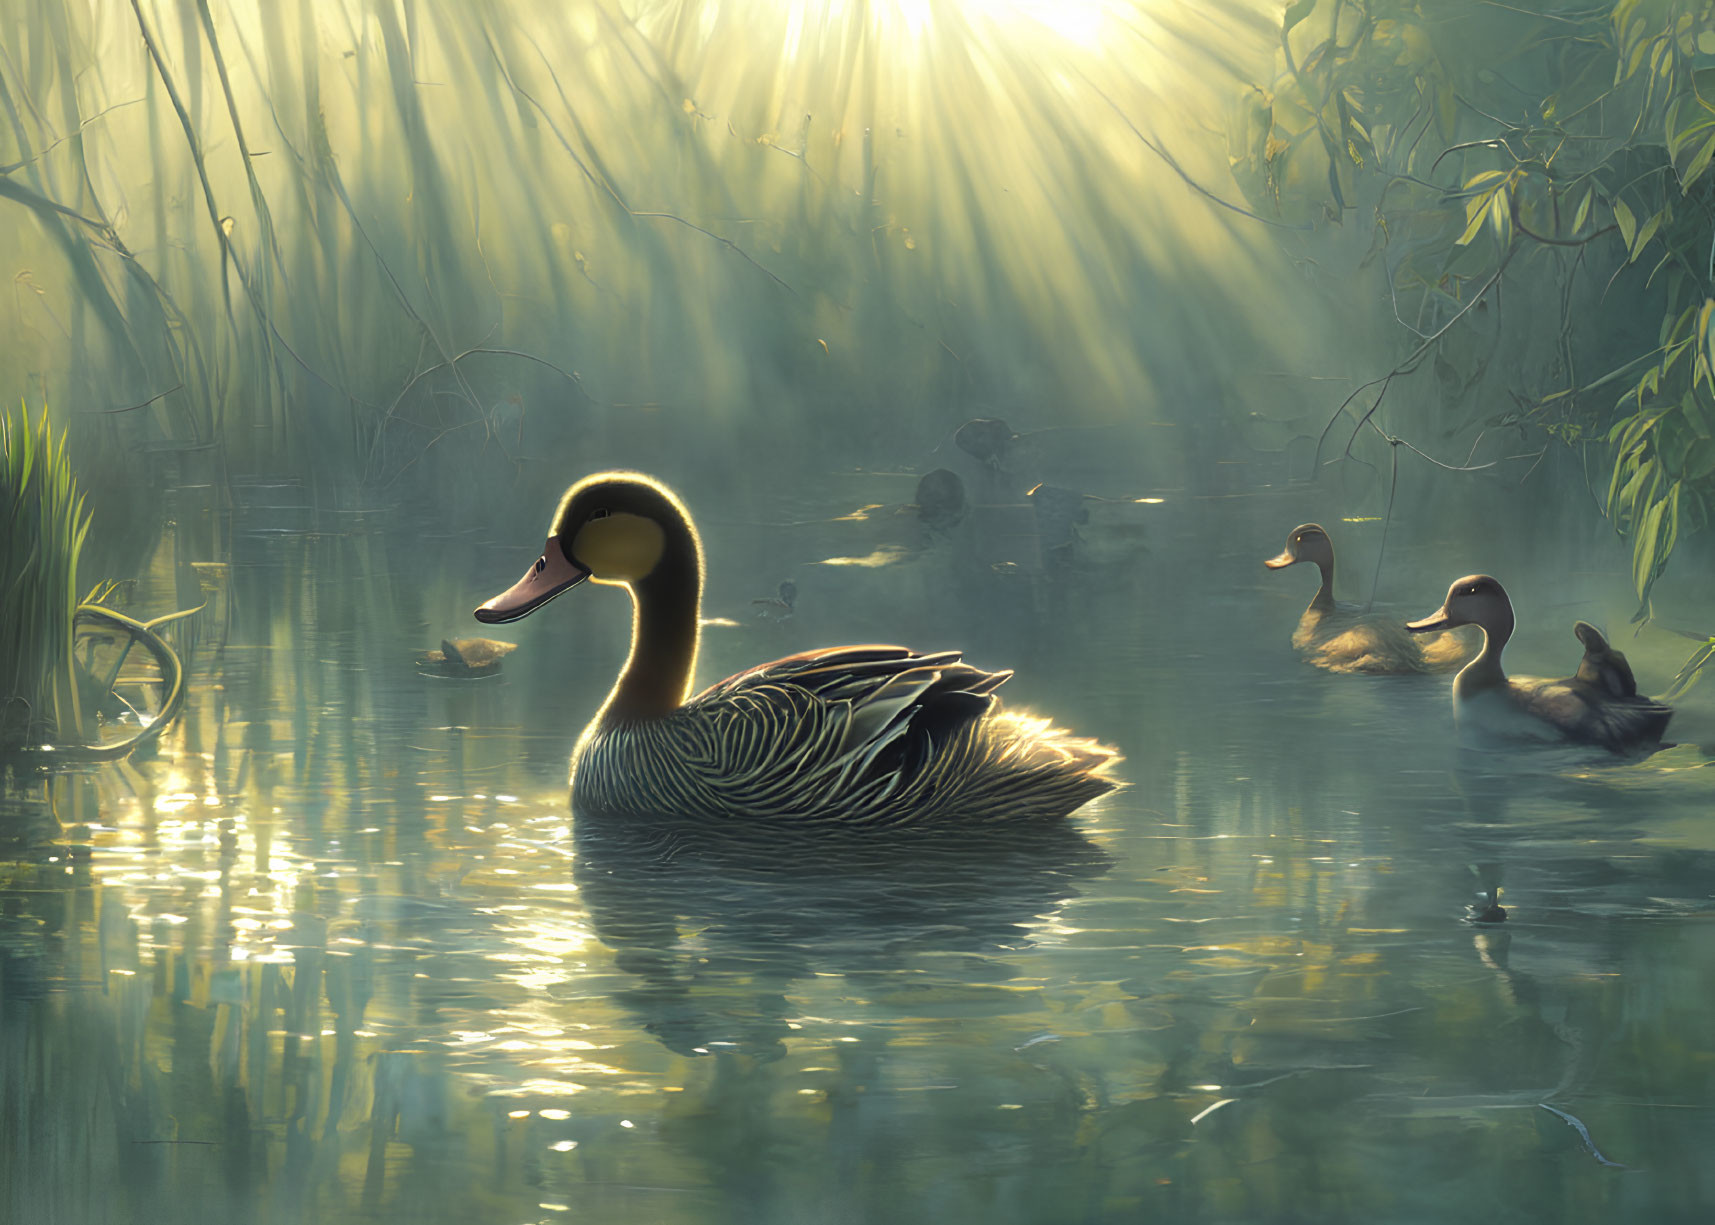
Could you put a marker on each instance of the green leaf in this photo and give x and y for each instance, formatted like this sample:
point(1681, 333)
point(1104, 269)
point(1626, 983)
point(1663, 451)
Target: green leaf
point(1583, 213)
point(1296, 12)
point(1698, 165)
point(1482, 191)
point(1472, 228)
point(1690, 670)
point(1644, 235)
point(1500, 215)
point(1446, 108)
point(1644, 546)
point(1706, 329)
point(1627, 222)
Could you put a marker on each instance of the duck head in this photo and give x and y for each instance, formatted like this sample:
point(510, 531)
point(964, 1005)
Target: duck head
point(1306, 542)
point(611, 528)
point(1475, 599)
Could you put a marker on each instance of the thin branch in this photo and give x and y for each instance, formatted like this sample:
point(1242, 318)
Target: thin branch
point(47, 149)
point(131, 408)
point(1179, 170)
point(725, 242)
point(1411, 361)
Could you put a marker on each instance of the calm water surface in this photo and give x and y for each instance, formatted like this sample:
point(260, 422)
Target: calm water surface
point(338, 953)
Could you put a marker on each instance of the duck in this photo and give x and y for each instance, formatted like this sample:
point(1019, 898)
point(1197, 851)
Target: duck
point(1600, 705)
point(988, 440)
point(467, 657)
point(869, 735)
point(781, 605)
point(1344, 638)
point(941, 503)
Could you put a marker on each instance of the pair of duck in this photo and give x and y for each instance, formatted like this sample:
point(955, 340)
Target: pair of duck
point(872, 735)
point(1599, 705)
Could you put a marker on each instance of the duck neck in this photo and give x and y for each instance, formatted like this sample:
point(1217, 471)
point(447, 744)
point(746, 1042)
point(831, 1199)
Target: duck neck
point(665, 607)
point(1324, 601)
point(1484, 672)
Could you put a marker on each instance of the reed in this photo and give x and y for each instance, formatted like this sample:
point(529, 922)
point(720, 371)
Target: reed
point(333, 239)
point(44, 529)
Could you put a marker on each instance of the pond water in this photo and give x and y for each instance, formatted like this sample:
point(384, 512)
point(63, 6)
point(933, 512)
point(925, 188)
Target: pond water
point(337, 951)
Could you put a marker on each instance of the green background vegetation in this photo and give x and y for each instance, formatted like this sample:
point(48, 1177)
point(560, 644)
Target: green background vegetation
point(1537, 189)
point(45, 526)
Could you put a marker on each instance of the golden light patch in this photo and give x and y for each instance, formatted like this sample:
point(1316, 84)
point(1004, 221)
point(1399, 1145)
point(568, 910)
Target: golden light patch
point(884, 556)
point(620, 548)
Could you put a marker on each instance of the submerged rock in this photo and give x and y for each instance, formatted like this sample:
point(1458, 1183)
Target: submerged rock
point(466, 657)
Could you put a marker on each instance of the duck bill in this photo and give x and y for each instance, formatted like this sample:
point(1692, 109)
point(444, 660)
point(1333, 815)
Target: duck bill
point(1438, 620)
point(1281, 562)
point(552, 574)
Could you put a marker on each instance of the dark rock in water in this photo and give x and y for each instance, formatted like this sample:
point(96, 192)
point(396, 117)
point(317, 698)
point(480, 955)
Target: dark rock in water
point(780, 607)
point(941, 501)
point(466, 657)
point(988, 439)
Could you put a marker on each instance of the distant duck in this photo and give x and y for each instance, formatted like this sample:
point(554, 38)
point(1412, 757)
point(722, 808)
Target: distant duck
point(861, 735)
point(1600, 705)
point(466, 657)
point(1344, 638)
point(779, 607)
point(1058, 514)
point(941, 501)
point(988, 439)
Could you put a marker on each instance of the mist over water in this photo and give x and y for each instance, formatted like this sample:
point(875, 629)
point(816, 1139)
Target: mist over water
point(334, 300)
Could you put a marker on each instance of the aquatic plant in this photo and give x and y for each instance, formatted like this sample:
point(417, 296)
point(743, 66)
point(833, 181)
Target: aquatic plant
point(44, 528)
point(1565, 154)
point(343, 239)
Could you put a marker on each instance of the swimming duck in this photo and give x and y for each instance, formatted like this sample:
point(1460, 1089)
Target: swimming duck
point(858, 734)
point(1343, 638)
point(1600, 705)
point(988, 439)
point(941, 501)
point(780, 606)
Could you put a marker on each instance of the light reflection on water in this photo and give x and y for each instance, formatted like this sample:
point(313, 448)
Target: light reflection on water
point(337, 952)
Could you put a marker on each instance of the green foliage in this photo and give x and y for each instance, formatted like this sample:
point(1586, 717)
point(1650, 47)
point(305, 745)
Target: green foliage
point(45, 525)
point(1577, 143)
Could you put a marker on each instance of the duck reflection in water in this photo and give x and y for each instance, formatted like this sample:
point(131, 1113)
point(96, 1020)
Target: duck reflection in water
point(717, 924)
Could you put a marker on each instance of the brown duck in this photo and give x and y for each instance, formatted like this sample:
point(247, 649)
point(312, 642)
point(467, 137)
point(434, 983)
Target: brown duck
point(1600, 705)
point(865, 735)
point(1343, 638)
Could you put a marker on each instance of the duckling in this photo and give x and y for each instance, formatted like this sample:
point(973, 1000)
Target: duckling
point(1599, 706)
point(1487, 908)
point(1343, 638)
point(467, 657)
point(941, 502)
point(859, 735)
point(780, 607)
point(987, 439)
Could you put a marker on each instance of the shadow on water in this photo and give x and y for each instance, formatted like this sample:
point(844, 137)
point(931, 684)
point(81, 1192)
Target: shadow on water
point(716, 925)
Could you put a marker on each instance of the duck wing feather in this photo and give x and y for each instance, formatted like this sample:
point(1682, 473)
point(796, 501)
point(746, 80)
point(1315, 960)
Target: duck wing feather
point(872, 734)
point(1590, 714)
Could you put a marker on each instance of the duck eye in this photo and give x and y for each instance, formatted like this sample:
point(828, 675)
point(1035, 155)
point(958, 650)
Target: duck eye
point(600, 513)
